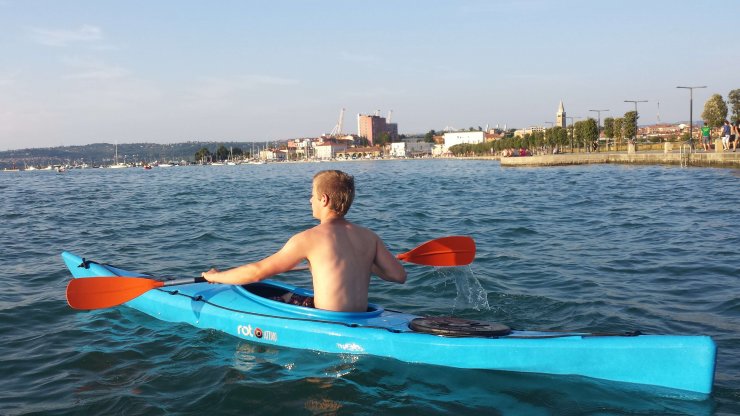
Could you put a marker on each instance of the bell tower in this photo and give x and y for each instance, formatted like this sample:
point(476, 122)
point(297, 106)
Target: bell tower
point(560, 116)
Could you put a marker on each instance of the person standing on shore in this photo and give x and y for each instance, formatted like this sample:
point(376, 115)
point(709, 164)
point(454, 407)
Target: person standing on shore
point(706, 133)
point(726, 135)
point(735, 134)
point(341, 255)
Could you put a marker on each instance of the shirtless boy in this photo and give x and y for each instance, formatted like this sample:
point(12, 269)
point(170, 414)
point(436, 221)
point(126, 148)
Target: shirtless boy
point(341, 255)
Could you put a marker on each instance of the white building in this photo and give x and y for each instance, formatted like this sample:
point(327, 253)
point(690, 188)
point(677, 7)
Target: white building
point(411, 149)
point(329, 150)
point(463, 137)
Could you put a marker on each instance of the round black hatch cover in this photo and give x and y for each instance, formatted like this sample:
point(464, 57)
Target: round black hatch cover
point(458, 327)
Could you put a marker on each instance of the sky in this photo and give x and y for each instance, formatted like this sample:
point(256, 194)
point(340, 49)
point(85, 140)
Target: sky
point(74, 72)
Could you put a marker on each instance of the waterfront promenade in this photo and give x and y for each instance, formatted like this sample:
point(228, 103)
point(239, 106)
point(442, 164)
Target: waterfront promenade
point(675, 157)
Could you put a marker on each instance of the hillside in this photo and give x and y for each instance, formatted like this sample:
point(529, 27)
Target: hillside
point(104, 153)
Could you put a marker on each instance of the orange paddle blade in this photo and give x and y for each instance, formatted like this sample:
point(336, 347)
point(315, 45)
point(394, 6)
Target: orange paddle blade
point(106, 292)
point(445, 251)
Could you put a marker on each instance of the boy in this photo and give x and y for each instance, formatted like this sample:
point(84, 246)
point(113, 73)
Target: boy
point(706, 132)
point(341, 255)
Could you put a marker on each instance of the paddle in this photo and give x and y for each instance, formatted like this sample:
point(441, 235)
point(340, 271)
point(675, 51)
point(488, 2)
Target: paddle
point(109, 291)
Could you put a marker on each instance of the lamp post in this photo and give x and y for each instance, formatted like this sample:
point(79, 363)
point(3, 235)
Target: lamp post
point(551, 125)
point(635, 101)
point(691, 113)
point(573, 131)
point(598, 128)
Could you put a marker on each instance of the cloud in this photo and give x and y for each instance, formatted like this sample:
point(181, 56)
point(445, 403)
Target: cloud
point(64, 38)
point(92, 69)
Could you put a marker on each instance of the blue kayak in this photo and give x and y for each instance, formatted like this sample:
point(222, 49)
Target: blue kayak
point(251, 313)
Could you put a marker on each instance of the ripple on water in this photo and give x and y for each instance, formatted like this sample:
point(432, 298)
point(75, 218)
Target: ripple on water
point(598, 248)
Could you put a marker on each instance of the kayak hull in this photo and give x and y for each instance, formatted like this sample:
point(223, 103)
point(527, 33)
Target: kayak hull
point(670, 361)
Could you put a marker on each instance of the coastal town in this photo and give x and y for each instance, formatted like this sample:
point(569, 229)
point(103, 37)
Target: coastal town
point(377, 137)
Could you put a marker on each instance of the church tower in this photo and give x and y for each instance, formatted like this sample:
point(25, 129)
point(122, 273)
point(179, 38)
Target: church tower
point(560, 117)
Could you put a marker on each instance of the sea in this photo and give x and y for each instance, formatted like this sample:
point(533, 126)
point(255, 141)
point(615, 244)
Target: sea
point(601, 248)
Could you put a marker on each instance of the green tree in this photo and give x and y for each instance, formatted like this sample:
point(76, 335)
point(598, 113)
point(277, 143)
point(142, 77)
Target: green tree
point(222, 153)
point(629, 125)
point(585, 133)
point(202, 155)
point(618, 131)
point(609, 127)
point(590, 134)
point(560, 135)
point(734, 97)
point(715, 111)
point(383, 139)
point(429, 137)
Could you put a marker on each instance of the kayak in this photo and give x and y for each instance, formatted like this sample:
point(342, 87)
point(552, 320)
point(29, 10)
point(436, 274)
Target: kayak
point(250, 312)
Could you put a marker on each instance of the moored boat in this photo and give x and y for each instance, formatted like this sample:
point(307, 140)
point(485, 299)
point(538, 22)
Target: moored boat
point(251, 312)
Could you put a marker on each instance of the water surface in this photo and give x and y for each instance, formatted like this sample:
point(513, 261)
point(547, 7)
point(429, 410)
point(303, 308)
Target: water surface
point(598, 248)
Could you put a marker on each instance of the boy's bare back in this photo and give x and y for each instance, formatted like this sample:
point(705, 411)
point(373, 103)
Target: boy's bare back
point(342, 255)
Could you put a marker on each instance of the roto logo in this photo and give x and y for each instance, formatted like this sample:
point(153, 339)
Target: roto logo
point(244, 330)
point(247, 331)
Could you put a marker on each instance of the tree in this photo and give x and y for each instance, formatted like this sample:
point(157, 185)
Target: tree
point(560, 135)
point(618, 129)
point(222, 153)
point(383, 139)
point(586, 133)
point(715, 111)
point(609, 127)
point(734, 97)
point(429, 137)
point(202, 155)
point(629, 125)
point(590, 134)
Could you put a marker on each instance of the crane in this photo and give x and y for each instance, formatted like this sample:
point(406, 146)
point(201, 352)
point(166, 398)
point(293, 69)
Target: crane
point(337, 131)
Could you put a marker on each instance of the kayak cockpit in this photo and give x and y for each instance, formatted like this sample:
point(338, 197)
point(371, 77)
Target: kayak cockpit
point(268, 292)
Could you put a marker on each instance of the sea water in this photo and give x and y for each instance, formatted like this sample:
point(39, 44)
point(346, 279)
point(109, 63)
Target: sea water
point(605, 248)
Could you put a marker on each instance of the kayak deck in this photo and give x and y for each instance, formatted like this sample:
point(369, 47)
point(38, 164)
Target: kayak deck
point(672, 361)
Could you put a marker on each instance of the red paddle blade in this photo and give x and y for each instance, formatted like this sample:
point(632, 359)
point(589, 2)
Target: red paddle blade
point(106, 292)
point(445, 251)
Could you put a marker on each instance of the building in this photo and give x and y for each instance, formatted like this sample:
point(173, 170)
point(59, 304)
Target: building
point(360, 153)
point(373, 127)
point(528, 130)
point(463, 137)
point(328, 150)
point(411, 149)
point(560, 119)
point(665, 131)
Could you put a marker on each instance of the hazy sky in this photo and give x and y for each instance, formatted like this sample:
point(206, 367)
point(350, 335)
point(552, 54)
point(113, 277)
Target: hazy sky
point(78, 72)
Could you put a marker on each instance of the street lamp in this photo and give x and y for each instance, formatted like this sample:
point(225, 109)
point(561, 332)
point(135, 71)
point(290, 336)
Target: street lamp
point(598, 128)
point(635, 101)
point(572, 132)
point(691, 113)
point(551, 125)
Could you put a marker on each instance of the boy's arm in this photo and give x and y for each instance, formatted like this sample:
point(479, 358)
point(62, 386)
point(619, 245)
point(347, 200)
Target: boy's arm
point(386, 265)
point(292, 253)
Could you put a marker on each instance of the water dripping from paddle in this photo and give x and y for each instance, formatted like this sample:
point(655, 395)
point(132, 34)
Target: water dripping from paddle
point(470, 292)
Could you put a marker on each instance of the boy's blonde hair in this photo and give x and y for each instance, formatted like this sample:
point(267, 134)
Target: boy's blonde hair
point(338, 186)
